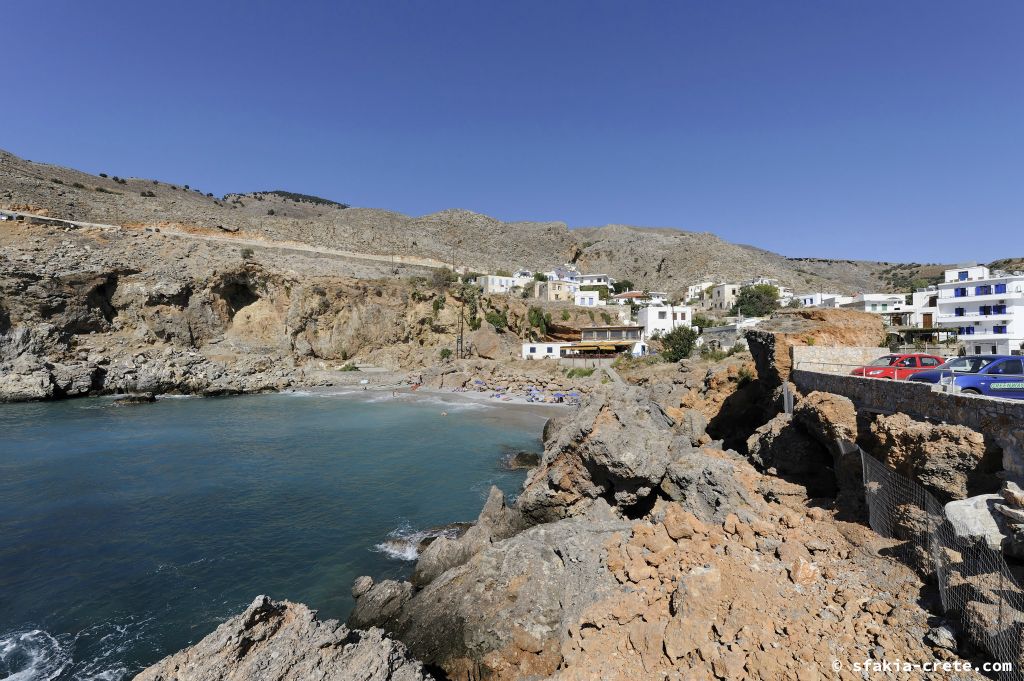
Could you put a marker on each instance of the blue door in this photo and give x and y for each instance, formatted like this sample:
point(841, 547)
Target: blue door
point(1004, 379)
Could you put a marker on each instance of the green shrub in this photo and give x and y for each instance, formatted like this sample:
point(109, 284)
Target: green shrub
point(713, 354)
point(78, 185)
point(565, 315)
point(678, 344)
point(438, 304)
point(497, 319)
point(606, 318)
point(579, 372)
point(446, 354)
point(349, 367)
point(538, 320)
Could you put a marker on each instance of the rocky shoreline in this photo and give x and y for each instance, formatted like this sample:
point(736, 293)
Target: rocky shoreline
point(638, 547)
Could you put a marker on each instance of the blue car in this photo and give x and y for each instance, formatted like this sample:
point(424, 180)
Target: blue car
point(992, 375)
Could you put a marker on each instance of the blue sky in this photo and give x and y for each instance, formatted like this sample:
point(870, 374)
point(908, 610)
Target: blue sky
point(851, 129)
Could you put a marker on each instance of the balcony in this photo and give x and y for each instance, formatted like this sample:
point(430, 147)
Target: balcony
point(954, 320)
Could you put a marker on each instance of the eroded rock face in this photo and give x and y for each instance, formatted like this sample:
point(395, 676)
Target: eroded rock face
point(282, 641)
point(951, 461)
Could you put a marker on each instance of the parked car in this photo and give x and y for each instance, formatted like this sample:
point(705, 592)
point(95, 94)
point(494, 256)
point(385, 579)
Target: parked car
point(970, 364)
point(898, 366)
point(1003, 376)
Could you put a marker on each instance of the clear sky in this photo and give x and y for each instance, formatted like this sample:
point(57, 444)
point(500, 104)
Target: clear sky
point(887, 130)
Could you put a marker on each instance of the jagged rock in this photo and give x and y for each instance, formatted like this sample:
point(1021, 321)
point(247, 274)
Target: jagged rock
point(707, 485)
point(782, 446)
point(509, 607)
point(380, 605)
point(832, 421)
point(361, 585)
point(25, 380)
point(282, 641)
point(690, 424)
point(141, 398)
point(951, 461)
point(618, 444)
point(496, 522)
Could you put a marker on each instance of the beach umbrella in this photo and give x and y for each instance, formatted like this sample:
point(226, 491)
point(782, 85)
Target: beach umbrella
point(479, 382)
point(559, 394)
point(574, 394)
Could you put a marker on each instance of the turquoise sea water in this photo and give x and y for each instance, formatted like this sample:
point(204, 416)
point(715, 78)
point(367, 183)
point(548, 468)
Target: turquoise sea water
point(127, 533)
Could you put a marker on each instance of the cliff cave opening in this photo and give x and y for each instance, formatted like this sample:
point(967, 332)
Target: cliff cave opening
point(236, 295)
point(100, 297)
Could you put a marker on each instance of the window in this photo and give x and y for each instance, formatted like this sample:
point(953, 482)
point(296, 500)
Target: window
point(982, 290)
point(960, 293)
point(873, 307)
point(1000, 288)
point(977, 349)
point(532, 349)
point(962, 275)
point(929, 362)
point(551, 349)
point(662, 314)
point(960, 312)
point(908, 362)
point(985, 310)
point(885, 307)
point(999, 329)
point(1013, 367)
point(999, 309)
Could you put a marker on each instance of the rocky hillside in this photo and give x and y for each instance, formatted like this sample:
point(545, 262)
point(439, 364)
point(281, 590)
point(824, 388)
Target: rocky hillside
point(664, 259)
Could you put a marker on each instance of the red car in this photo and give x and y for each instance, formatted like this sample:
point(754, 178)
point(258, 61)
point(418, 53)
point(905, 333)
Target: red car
point(898, 367)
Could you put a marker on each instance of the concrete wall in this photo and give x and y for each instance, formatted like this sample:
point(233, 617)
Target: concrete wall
point(1000, 420)
point(586, 363)
point(833, 360)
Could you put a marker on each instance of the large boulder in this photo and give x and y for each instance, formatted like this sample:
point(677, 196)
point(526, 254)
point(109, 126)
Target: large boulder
point(510, 605)
point(282, 641)
point(951, 461)
point(790, 452)
point(616, 446)
point(708, 484)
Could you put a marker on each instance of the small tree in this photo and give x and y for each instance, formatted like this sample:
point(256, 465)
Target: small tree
point(540, 276)
point(703, 321)
point(622, 286)
point(759, 300)
point(442, 278)
point(678, 343)
point(502, 273)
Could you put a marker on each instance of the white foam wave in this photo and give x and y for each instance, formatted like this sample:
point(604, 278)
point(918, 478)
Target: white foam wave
point(403, 543)
point(32, 655)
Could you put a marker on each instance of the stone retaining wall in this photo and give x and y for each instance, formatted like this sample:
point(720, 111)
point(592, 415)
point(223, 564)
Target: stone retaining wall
point(833, 360)
point(1002, 420)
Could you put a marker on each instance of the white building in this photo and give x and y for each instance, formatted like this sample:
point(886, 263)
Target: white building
point(597, 280)
point(696, 292)
point(542, 350)
point(566, 272)
point(817, 299)
point(985, 307)
point(723, 296)
point(500, 283)
point(640, 298)
point(658, 320)
point(588, 299)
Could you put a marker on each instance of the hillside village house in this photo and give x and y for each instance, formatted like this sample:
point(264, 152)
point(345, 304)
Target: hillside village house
point(723, 296)
point(491, 283)
point(640, 298)
point(657, 320)
point(556, 290)
point(985, 307)
point(696, 292)
point(588, 299)
point(543, 350)
point(815, 299)
point(566, 272)
point(597, 280)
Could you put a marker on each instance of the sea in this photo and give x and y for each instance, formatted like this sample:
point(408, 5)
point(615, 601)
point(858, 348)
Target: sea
point(129, 532)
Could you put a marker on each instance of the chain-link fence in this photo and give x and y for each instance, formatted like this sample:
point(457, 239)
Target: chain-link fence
point(977, 586)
